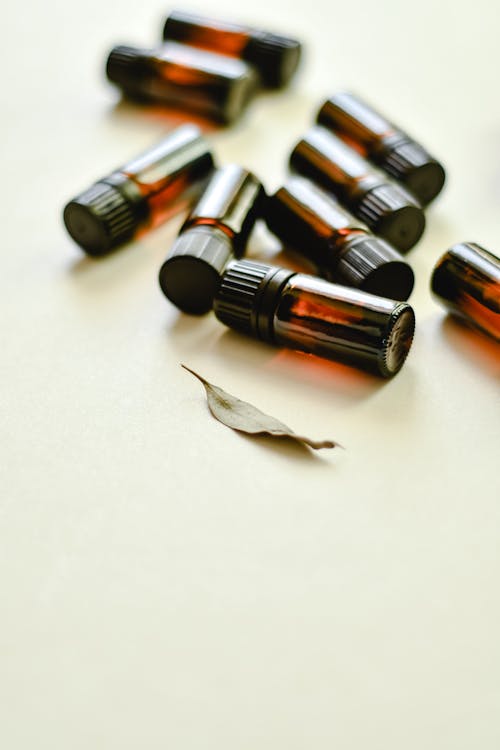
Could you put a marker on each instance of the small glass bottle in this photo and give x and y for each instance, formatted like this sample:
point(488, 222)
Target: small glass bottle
point(176, 75)
point(303, 312)
point(467, 280)
point(275, 57)
point(216, 230)
point(384, 144)
point(142, 194)
point(388, 209)
point(344, 251)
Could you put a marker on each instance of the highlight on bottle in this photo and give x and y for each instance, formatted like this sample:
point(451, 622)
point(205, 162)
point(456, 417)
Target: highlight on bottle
point(466, 280)
point(308, 314)
point(146, 191)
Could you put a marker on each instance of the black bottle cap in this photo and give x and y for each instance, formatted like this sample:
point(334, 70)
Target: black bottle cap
point(371, 264)
point(393, 214)
point(247, 296)
point(411, 164)
point(100, 218)
point(127, 68)
point(191, 274)
point(234, 199)
point(276, 57)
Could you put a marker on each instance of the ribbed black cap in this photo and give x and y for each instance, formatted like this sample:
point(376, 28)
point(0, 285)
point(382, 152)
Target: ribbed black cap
point(247, 296)
point(411, 164)
point(100, 218)
point(126, 67)
point(191, 274)
point(371, 264)
point(394, 214)
point(276, 57)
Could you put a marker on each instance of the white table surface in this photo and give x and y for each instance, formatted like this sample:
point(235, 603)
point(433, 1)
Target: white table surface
point(164, 581)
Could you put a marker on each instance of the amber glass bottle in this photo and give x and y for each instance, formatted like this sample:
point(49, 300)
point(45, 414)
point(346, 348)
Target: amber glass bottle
point(176, 75)
point(384, 144)
point(143, 193)
point(467, 280)
point(275, 57)
point(312, 222)
point(217, 229)
point(385, 207)
point(303, 312)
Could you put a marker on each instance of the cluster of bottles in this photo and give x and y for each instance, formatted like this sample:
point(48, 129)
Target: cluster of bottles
point(352, 205)
point(209, 67)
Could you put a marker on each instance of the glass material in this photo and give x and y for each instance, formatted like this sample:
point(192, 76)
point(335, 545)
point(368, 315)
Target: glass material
point(385, 207)
point(143, 193)
point(304, 312)
point(171, 175)
point(327, 160)
point(312, 222)
point(232, 201)
point(343, 324)
point(180, 76)
point(216, 230)
point(361, 125)
point(467, 280)
point(373, 136)
point(207, 33)
point(274, 56)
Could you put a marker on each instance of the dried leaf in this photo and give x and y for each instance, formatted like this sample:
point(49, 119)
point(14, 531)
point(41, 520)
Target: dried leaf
point(241, 416)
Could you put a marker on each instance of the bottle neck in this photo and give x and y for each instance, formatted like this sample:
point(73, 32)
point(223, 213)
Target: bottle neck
point(231, 202)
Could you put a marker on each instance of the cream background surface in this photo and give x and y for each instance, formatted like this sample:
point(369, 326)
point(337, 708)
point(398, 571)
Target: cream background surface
point(164, 581)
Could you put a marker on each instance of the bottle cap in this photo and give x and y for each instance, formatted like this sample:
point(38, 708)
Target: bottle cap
point(276, 57)
point(100, 218)
point(391, 212)
point(371, 264)
point(127, 68)
point(191, 274)
point(411, 164)
point(247, 296)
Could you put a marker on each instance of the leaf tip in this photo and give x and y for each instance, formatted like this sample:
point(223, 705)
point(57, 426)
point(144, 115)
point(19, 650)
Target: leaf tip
point(193, 373)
